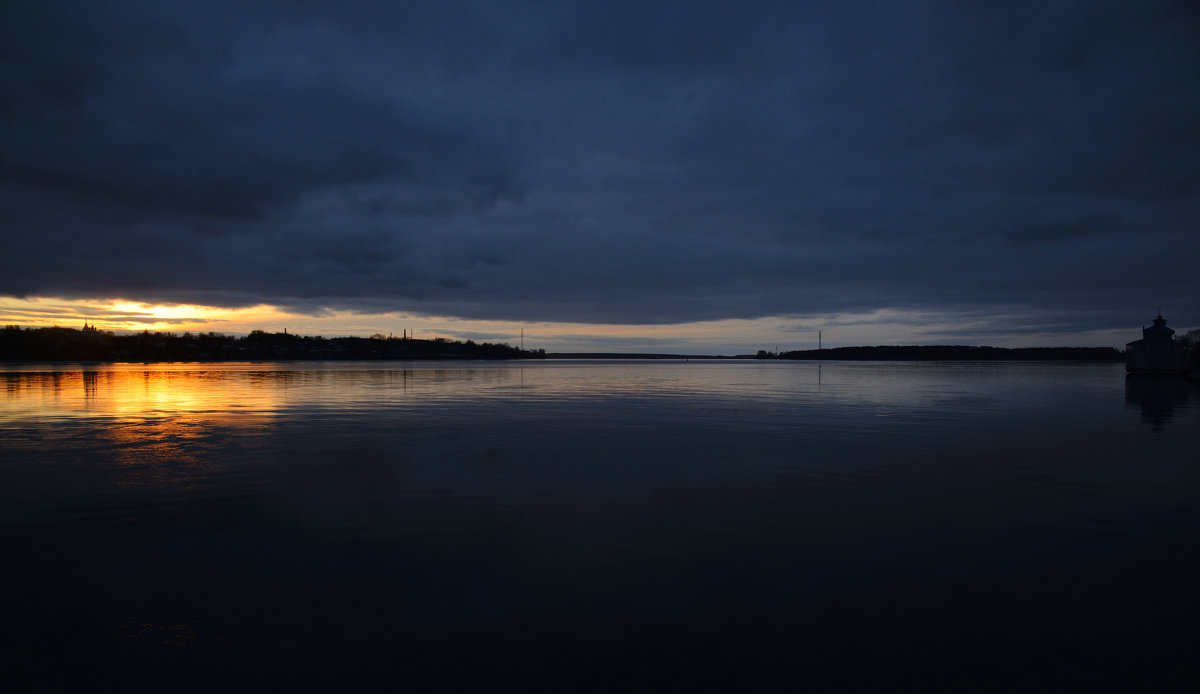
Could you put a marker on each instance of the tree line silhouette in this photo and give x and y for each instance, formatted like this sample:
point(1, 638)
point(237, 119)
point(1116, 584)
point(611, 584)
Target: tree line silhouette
point(90, 344)
point(952, 352)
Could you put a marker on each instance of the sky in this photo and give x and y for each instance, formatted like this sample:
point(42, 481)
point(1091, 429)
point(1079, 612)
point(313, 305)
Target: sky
point(699, 177)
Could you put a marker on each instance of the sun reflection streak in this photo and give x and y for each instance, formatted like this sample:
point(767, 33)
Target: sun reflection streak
point(166, 427)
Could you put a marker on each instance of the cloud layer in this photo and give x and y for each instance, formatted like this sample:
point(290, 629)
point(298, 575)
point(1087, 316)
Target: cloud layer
point(606, 162)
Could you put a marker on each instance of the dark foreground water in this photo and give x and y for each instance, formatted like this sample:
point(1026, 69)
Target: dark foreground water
point(598, 526)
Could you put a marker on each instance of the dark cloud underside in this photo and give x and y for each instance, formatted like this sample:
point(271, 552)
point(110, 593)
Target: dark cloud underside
point(607, 161)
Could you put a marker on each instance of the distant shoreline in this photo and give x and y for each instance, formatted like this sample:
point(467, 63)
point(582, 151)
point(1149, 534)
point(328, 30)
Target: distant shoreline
point(31, 345)
point(91, 345)
point(890, 353)
point(958, 353)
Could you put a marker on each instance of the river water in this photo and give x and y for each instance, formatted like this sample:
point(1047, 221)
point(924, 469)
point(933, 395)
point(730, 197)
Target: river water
point(590, 525)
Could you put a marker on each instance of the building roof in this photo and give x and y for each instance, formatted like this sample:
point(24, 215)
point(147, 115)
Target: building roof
point(1156, 333)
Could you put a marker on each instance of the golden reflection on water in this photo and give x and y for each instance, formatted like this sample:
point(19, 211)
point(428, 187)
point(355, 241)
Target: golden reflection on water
point(164, 427)
point(132, 396)
point(175, 426)
point(224, 394)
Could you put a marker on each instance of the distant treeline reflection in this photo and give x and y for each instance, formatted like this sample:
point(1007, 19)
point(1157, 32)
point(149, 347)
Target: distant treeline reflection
point(90, 344)
point(953, 352)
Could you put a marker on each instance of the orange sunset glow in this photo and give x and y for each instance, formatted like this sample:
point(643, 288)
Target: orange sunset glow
point(727, 336)
point(123, 315)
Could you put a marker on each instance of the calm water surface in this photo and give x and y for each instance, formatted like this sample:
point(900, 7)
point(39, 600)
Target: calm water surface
point(597, 526)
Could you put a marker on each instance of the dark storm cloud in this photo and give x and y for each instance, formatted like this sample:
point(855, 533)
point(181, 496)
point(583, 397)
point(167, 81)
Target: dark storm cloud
point(607, 161)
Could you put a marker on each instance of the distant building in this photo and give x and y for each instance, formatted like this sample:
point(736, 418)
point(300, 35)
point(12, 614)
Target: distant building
point(1157, 352)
